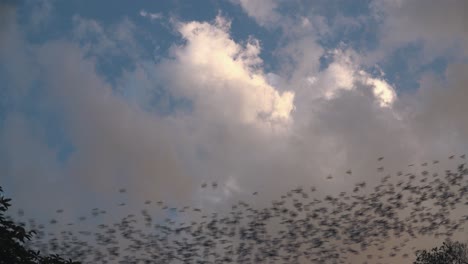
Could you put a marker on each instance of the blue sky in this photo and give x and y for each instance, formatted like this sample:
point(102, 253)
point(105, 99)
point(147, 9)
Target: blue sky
point(161, 96)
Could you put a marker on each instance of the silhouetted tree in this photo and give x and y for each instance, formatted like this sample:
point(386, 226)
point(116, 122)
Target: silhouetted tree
point(13, 238)
point(448, 253)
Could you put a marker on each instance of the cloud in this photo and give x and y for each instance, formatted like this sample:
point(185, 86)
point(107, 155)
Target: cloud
point(263, 11)
point(224, 79)
point(441, 27)
point(114, 139)
point(116, 143)
point(117, 40)
point(151, 16)
point(21, 141)
point(41, 13)
point(441, 107)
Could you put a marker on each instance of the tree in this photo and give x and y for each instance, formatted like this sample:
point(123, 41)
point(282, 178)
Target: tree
point(449, 253)
point(13, 238)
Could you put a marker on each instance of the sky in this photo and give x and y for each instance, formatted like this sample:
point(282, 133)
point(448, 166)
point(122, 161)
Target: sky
point(161, 96)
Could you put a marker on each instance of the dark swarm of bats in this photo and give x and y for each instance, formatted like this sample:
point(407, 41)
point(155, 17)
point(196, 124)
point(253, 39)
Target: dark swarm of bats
point(299, 227)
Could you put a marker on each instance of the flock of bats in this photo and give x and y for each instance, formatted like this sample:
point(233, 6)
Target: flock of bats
point(300, 226)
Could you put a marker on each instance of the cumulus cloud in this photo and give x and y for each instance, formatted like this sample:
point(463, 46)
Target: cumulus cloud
point(223, 78)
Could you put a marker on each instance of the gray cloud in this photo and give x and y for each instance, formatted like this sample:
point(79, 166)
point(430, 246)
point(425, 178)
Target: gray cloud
point(442, 108)
point(441, 27)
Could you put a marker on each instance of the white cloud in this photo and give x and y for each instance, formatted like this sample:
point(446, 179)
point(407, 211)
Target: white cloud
point(151, 16)
point(224, 79)
point(263, 11)
point(344, 73)
point(381, 89)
